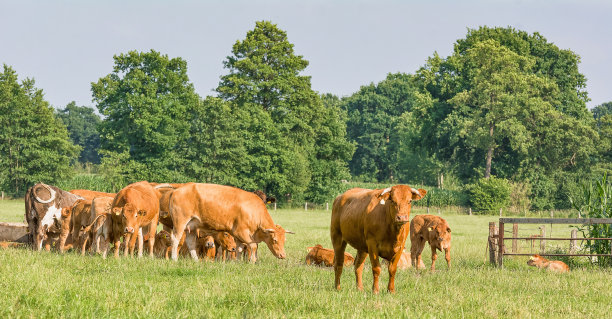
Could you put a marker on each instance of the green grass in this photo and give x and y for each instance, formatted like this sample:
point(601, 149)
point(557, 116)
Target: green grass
point(52, 285)
point(12, 210)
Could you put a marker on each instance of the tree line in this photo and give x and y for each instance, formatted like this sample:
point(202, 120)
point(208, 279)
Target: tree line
point(505, 103)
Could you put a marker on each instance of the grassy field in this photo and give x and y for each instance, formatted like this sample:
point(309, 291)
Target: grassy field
point(52, 285)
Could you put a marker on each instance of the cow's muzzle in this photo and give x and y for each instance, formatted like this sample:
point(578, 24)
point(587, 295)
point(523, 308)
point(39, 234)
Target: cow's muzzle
point(129, 230)
point(209, 245)
point(402, 219)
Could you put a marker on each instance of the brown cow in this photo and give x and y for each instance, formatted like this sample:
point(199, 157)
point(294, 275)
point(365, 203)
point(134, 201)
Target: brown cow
point(318, 255)
point(134, 207)
point(226, 245)
point(43, 212)
point(161, 247)
point(435, 231)
point(98, 225)
point(374, 222)
point(80, 214)
point(223, 208)
point(209, 250)
point(550, 265)
point(405, 262)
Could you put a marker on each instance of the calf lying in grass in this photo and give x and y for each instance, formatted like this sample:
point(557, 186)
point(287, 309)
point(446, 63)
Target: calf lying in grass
point(318, 255)
point(550, 265)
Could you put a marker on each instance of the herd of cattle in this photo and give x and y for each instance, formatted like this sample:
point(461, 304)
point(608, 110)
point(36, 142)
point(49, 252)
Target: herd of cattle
point(219, 222)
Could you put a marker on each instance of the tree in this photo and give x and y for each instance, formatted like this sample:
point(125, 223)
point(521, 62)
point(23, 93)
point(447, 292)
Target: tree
point(147, 101)
point(277, 110)
point(34, 144)
point(82, 124)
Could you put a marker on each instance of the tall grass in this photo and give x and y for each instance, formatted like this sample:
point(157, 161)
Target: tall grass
point(596, 202)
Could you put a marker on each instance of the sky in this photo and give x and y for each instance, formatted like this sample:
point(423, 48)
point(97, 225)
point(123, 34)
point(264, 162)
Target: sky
point(66, 45)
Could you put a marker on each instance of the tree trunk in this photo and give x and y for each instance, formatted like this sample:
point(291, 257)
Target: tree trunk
point(489, 154)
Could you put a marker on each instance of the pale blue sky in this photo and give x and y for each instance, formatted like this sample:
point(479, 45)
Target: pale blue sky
point(66, 45)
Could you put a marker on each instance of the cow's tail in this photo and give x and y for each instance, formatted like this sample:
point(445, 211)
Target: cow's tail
point(88, 227)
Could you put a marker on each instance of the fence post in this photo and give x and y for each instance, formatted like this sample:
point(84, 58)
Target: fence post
point(470, 211)
point(326, 206)
point(2, 195)
point(427, 209)
point(500, 245)
point(543, 239)
point(492, 244)
point(438, 210)
point(306, 206)
point(514, 235)
point(275, 206)
point(573, 241)
point(500, 212)
point(552, 215)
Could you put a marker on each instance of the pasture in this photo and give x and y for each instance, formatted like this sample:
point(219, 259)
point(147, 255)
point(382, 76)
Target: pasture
point(52, 285)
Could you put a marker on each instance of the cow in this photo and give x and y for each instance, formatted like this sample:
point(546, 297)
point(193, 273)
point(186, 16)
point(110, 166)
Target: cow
point(226, 245)
point(550, 265)
point(43, 211)
point(67, 223)
point(374, 222)
point(134, 207)
point(318, 255)
point(98, 225)
point(80, 215)
point(161, 247)
point(266, 199)
point(209, 251)
point(223, 208)
point(434, 230)
point(405, 262)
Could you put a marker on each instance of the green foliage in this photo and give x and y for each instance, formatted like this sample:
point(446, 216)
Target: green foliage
point(146, 101)
point(34, 144)
point(488, 195)
point(596, 202)
point(293, 143)
point(82, 124)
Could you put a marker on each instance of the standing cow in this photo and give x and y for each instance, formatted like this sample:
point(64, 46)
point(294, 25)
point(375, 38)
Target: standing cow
point(43, 210)
point(434, 230)
point(374, 222)
point(223, 208)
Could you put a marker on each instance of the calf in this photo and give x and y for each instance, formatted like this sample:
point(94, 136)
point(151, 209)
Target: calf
point(375, 222)
point(318, 255)
point(100, 226)
point(162, 245)
point(550, 265)
point(435, 231)
point(225, 243)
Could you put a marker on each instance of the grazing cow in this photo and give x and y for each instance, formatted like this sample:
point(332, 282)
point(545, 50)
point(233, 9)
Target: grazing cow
point(322, 256)
point(223, 208)
point(79, 216)
point(134, 207)
point(550, 265)
point(374, 222)
point(43, 211)
point(435, 231)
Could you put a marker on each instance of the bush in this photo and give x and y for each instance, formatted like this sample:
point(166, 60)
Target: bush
point(490, 194)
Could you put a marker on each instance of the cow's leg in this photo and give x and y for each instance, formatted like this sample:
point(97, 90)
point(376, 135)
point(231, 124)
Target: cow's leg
point(416, 250)
point(117, 245)
point(176, 235)
point(434, 256)
point(359, 263)
point(339, 247)
point(141, 241)
point(393, 269)
point(152, 231)
point(190, 240)
point(65, 230)
point(376, 269)
point(447, 257)
point(252, 252)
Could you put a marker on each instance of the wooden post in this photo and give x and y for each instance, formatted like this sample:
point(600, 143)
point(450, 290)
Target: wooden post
point(573, 245)
point(274, 205)
point(306, 206)
point(492, 244)
point(500, 212)
point(326, 206)
point(552, 215)
point(2, 195)
point(543, 239)
point(427, 209)
point(514, 241)
point(470, 211)
point(500, 246)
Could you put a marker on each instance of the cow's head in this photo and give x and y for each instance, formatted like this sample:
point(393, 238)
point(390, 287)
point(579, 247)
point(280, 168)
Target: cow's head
point(129, 217)
point(44, 205)
point(398, 201)
point(227, 241)
point(536, 260)
point(275, 239)
point(208, 242)
point(441, 234)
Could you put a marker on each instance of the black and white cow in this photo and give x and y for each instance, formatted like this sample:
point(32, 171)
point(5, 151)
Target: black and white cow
point(43, 211)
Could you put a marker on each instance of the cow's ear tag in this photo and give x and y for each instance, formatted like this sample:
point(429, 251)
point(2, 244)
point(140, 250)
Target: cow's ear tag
point(382, 201)
point(429, 228)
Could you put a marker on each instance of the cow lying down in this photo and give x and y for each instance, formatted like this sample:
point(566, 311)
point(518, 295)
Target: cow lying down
point(550, 265)
point(318, 255)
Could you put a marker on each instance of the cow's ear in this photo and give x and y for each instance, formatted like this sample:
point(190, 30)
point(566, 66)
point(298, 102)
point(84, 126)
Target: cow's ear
point(448, 229)
point(269, 230)
point(384, 195)
point(418, 193)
